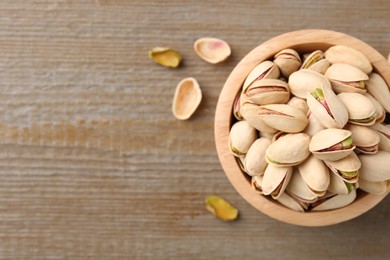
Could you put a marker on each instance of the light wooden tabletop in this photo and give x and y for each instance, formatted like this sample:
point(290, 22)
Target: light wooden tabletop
point(93, 165)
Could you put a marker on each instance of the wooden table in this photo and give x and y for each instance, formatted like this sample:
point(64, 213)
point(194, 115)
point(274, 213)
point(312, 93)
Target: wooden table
point(93, 165)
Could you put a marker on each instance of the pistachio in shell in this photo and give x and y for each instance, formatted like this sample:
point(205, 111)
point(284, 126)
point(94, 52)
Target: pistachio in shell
point(275, 180)
point(255, 162)
point(365, 139)
point(375, 167)
point(212, 50)
point(380, 111)
point(336, 202)
point(384, 136)
point(265, 70)
point(337, 185)
point(361, 110)
point(347, 168)
point(312, 58)
point(303, 81)
point(292, 203)
point(344, 54)
point(242, 136)
point(331, 144)
point(314, 125)
point(315, 174)
point(268, 91)
point(221, 208)
point(378, 88)
point(165, 56)
point(288, 61)
point(346, 78)
point(299, 103)
point(377, 188)
point(320, 66)
point(187, 98)
point(288, 150)
point(298, 188)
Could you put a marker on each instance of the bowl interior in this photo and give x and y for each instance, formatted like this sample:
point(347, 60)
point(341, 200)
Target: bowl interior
point(304, 41)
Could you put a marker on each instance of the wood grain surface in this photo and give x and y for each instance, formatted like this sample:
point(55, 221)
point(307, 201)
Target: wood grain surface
point(93, 165)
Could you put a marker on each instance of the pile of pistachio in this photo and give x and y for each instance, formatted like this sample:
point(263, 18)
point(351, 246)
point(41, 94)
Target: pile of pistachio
point(310, 133)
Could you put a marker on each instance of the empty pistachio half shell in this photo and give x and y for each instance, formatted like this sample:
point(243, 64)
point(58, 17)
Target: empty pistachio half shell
point(212, 50)
point(187, 98)
point(165, 56)
point(221, 208)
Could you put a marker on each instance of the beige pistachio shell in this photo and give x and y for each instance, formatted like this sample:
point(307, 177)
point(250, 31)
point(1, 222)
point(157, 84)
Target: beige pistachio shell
point(327, 138)
point(378, 88)
point(255, 162)
point(187, 98)
point(256, 183)
point(344, 54)
point(351, 163)
point(375, 167)
point(346, 78)
point(165, 56)
point(287, 201)
point(338, 186)
point(265, 70)
point(336, 202)
point(275, 180)
point(299, 103)
point(288, 150)
point(212, 50)
point(360, 109)
point(283, 117)
point(237, 107)
point(338, 116)
point(312, 58)
point(320, 66)
point(242, 136)
point(288, 61)
point(384, 136)
point(380, 111)
point(305, 81)
point(314, 125)
point(377, 188)
point(365, 139)
point(249, 112)
point(298, 187)
point(268, 91)
point(267, 135)
point(315, 174)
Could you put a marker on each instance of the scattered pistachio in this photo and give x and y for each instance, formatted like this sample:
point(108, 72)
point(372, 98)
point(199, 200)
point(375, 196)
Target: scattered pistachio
point(221, 208)
point(165, 56)
point(212, 50)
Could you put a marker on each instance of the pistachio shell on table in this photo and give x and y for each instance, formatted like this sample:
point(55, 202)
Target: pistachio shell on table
point(303, 81)
point(346, 78)
point(361, 110)
point(249, 112)
point(288, 150)
point(346, 168)
point(265, 70)
point(255, 162)
point(344, 54)
point(275, 180)
point(331, 144)
point(256, 183)
point(288, 61)
point(380, 111)
point(384, 136)
point(212, 50)
point(268, 91)
point(315, 174)
point(336, 202)
point(327, 107)
point(375, 167)
point(187, 98)
point(283, 117)
point(337, 185)
point(242, 136)
point(165, 56)
point(377, 188)
point(312, 58)
point(365, 139)
point(289, 202)
point(314, 125)
point(299, 103)
point(298, 189)
point(378, 88)
point(221, 208)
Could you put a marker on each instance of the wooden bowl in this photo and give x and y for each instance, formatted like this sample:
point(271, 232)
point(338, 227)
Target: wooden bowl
point(302, 41)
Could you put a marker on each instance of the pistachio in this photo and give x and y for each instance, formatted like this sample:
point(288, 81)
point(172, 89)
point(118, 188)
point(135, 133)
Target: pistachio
point(337, 185)
point(288, 61)
point(360, 109)
point(298, 189)
point(221, 208)
point(344, 54)
point(255, 162)
point(365, 139)
point(347, 168)
point(264, 70)
point(384, 136)
point(303, 81)
point(165, 56)
point(314, 125)
point(315, 174)
point(212, 50)
point(380, 111)
point(378, 88)
point(320, 66)
point(242, 136)
point(188, 96)
point(336, 202)
point(312, 58)
point(299, 103)
point(250, 112)
point(346, 78)
point(275, 180)
point(377, 188)
point(268, 91)
point(291, 203)
point(375, 167)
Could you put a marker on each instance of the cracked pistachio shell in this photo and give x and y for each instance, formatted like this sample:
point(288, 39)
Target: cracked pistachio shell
point(380, 111)
point(299, 103)
point(221, 208)
point(256, 183)
point(287, 201)
point(315, 174)
point(344, 54)
point(275, 180)
point(312, 58)
point(336, 202)
point(327, 138)
point(314, 125)
point(268, 91)
point(288, 61)
point(306, 81)
point(365, 139)
point(242, 136)
point(338, 186)
point(298, 187)
point(375, 167)
point(212, 50)
point(288, 150)
point(249, 112)
point(188, 96)
point(265, 70)
point(351, 163)
point(378, 88)
point(283, 117)
point(255, 162)
point(360, 109)
point(165, 56)
point(339, 114)
point(346, 78)
point(320, 66)
point(377, 188)
point(384, 136)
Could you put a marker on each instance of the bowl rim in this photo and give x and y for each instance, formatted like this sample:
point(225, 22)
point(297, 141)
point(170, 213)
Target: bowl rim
point(223, 118)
